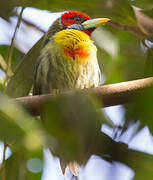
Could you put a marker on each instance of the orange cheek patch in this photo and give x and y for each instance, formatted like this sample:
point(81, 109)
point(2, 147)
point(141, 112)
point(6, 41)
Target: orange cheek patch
point(77, 52)
point(70, 53)
point(81, 52)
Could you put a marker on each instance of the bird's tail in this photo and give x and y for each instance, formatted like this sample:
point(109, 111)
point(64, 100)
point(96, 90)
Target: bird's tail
point(72, 166)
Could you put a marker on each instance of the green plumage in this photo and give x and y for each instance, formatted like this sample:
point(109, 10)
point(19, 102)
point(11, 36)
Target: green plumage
point(54, 71)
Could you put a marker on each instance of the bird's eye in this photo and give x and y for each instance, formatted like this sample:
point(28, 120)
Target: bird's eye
point(77, 18)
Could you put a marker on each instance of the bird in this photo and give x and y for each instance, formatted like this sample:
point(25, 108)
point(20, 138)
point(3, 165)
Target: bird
point(68, 58)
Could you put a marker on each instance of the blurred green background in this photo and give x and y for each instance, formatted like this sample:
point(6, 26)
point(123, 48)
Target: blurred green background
point(74, 127)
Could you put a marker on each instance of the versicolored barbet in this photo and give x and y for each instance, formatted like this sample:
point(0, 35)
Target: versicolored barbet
point(68, 59)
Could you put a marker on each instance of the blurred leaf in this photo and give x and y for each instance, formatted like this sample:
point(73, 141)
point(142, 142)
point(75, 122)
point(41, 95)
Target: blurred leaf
point(7, 6)
point(107, 41)
point(9, 130)
point(4, 66)
point(149, 63)
point(112, 151)
point(16, 165)
point(23, 76)
point(142, 164)
point(17, 126)
point(16, 58)
point(129, 64)
point(142, 109)
point(118, 10)
point(74, 122)
point(62, 5)
point(1, 86)
point(148, 12)
point(144, 4)
point(34, 163)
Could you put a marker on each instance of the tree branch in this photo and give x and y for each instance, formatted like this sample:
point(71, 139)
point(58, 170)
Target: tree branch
point(132, 29)
point(143, 28)
point(109, 95)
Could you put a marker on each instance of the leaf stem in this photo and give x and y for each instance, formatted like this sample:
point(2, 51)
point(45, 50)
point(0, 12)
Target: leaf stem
point(10, 50)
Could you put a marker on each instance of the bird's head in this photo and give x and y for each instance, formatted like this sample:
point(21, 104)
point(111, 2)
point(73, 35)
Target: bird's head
point(80, 21)
point(75, 20)
point(67, 31)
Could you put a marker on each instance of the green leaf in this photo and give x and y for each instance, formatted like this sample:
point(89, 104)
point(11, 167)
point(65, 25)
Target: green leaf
point(17, 126)
point(21, 82)
point(62, 5)
point(16, 58)
point(8, 122)
point(148, 12)
point(7, 7)
point(142, 109)
point(18, 165)
point(1, 86)
point(118, 10)
point(74, 122)
point(34, 163)
point(144, 4)
point(149, 63)
point(142, 164)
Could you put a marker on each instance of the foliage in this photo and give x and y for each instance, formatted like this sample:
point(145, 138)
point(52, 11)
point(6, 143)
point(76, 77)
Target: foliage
point(72, 130)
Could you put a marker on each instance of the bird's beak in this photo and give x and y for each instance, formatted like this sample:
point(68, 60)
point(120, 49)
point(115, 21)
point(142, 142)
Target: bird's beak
point(94, 23)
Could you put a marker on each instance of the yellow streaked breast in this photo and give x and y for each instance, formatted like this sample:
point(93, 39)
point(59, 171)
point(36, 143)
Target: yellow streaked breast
point(74, 43)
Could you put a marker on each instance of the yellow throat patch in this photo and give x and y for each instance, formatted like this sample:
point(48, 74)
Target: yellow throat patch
point(74, 43)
